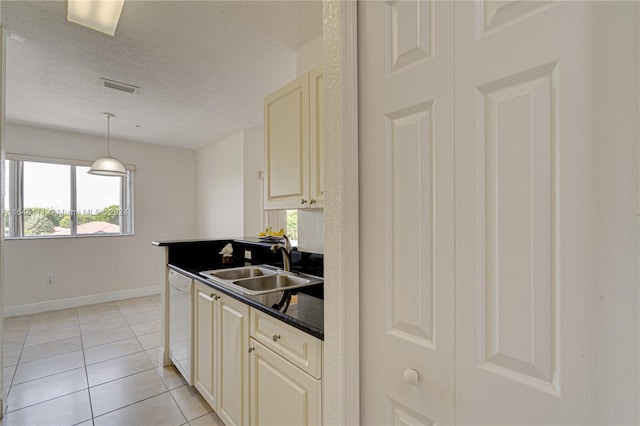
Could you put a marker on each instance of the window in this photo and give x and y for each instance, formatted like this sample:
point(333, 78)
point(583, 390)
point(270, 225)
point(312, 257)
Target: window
point(58, 198)
point(292, 225)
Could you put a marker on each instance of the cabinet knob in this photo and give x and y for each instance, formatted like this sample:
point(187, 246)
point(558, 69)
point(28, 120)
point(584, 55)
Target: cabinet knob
point(251, 349)
point(411, 376)
point(216, 297)
point(312, 201)
point(212, 295)
point(303, 201)
point(276, 337)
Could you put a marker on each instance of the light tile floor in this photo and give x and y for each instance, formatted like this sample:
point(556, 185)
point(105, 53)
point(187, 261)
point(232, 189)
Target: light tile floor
point(95, 365)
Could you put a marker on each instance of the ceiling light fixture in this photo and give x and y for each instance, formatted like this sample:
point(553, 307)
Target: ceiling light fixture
point(107, 166)
point(99, 15)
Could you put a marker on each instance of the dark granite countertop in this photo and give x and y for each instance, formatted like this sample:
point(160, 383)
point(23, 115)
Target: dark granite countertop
point(167, 243)
point(190, 256)
point(306, 315)
point(248, 240)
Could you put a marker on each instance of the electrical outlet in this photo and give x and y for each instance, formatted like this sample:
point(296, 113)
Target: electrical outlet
point(50, 279)
point(247, 254)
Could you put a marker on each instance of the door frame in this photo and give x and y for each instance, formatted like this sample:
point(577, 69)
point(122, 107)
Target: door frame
point(3, 396)
point(341, 362)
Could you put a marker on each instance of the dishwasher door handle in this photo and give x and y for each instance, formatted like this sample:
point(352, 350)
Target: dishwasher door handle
point(183, 288)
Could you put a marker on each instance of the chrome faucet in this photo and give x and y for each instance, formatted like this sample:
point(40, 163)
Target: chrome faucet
point(286, 252)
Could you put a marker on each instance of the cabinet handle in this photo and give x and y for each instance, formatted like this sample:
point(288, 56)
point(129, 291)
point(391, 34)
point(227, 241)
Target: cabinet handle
point(216, 297)
point(251, 349)
point(312, 202)
point(303, 201)
point(276, 337)
point(212, 295)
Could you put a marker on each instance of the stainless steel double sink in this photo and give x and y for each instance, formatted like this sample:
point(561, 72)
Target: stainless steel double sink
point(259, 279)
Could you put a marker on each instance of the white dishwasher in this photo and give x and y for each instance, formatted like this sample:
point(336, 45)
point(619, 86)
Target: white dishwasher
point(181, 323)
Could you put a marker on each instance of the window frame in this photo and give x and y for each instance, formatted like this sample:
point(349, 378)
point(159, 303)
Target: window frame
point(15, 176)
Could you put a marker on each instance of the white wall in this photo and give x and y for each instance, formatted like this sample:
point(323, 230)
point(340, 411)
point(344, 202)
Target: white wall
point(220, 188)
point(309, 56)
point(253, 166)
point(229, 189)
point(164, 201)
point(310, 230)
point(229, 186)
point(310, 222)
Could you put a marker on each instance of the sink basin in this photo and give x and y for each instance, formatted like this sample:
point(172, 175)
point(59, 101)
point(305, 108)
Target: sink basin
point(257, 280)
point(275, 282)
point(239, 273)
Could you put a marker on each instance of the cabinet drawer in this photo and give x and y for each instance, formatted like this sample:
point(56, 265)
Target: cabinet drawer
point(298, 347)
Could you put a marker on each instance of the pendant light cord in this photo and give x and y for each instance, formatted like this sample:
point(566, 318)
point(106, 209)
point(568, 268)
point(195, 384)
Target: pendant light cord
point(108, 135)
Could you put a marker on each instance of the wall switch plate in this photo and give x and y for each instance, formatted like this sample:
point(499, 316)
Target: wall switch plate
point(50, 279)
point(247, 254)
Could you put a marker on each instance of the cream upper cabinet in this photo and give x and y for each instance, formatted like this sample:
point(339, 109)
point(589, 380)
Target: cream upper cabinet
point(220, 347)
point(316, 137)
point(293, 144)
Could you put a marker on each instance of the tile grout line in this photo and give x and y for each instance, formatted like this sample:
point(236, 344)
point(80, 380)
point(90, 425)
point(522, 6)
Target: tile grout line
point(178, 405)
point(6, 403)
point(86, 376)
point(40, 359)
point(156, 371)
point(136, 402)
point(31, 330)
point(17, 365)
point(45, 401)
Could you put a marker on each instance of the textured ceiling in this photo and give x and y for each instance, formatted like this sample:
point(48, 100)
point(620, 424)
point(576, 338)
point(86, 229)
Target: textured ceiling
point(203, 67)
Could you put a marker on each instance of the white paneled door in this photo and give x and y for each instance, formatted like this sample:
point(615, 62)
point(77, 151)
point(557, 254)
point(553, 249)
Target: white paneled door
point(498, 212)
point(543, 133)
point(407, 211)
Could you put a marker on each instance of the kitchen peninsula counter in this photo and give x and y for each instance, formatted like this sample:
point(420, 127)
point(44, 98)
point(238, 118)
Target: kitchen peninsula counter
point(190, 257)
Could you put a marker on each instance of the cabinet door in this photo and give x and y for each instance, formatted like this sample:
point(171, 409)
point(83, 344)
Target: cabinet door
point(286, 133)
point(233, 361)
point(316, 137)
point(204, 343)
point(281, 393)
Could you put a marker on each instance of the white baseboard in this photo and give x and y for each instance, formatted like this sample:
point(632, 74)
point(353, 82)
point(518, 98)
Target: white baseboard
point(74, 302)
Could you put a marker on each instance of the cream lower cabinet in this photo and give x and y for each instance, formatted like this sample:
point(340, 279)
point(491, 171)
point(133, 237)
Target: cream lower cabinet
point(233, 362)
point(220, 347)
point(204, 343)
point(252, 368)
point(285, 374)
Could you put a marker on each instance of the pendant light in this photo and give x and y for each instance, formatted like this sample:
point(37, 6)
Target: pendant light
point(107, 166)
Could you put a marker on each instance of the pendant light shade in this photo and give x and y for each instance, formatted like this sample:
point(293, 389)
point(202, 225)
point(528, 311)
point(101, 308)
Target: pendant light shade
point(108, 166)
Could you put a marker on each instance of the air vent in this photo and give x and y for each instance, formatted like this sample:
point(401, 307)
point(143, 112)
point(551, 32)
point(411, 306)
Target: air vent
point(116, 85)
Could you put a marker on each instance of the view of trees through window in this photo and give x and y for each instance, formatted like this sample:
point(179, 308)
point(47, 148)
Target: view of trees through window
point(48, 221)
point(54, 195)
point(292, 225)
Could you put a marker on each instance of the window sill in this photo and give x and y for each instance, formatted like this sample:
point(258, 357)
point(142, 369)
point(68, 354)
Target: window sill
point(65, 237)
